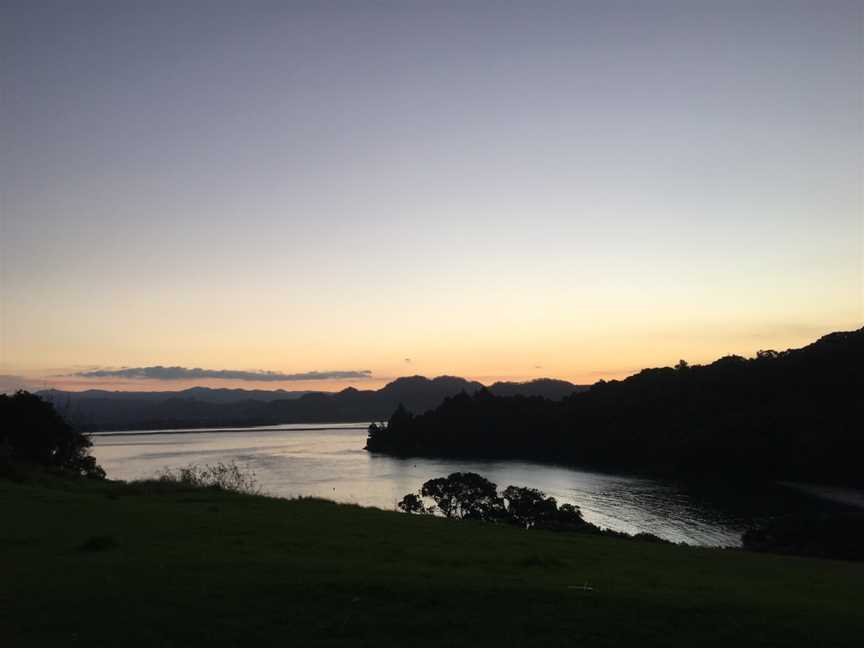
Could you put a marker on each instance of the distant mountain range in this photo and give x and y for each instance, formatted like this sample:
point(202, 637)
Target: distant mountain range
point(204, 394)
point(94, 410)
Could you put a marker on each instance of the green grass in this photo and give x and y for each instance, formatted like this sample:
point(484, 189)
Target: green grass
point(111, 564)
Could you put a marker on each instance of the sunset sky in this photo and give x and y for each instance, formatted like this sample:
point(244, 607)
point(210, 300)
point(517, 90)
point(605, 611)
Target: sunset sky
point(499, 190)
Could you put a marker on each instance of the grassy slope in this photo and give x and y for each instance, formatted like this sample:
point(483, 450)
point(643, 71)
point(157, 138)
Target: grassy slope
point(210, 568)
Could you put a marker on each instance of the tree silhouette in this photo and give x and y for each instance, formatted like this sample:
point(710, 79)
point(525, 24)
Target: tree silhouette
point(469, 496)
point(33, 433)
point(529, 507)
point(411, 503)
point(464, 495)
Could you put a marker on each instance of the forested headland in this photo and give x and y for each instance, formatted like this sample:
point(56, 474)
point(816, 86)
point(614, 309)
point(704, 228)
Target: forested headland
point(794, 414)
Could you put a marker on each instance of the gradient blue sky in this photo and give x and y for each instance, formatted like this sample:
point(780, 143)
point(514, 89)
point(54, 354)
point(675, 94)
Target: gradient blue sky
point(495, 190)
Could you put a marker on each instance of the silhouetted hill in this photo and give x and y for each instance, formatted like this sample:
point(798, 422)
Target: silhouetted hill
point(205, 407)
point(97, 409)
point(545, 387)
point(204, 394)
point(795, 414)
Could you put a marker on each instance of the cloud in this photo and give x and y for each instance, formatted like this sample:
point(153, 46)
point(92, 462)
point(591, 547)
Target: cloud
point(184, 373)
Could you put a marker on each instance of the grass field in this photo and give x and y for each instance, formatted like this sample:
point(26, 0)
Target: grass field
point(104, 564)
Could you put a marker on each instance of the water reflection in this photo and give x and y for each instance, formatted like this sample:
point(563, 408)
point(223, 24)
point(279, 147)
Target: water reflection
point(330, 462)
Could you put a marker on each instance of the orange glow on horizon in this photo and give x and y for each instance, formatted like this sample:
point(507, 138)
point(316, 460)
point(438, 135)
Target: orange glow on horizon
point(620, 355)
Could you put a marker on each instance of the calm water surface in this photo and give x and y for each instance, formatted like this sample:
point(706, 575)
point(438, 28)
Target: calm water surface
point(329, 461)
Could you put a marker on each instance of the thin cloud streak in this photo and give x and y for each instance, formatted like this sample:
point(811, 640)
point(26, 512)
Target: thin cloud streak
point(159, 372)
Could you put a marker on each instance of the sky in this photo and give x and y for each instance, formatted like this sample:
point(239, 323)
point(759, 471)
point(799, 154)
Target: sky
point(340, 193)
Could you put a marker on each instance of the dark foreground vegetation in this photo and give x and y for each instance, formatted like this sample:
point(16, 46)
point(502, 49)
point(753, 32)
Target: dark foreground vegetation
point(168, 563)
point(794, 415)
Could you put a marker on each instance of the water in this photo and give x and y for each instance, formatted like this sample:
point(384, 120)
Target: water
point(329, 461)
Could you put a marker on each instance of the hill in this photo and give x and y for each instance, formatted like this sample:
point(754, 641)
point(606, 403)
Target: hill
point(204, 394)
point(543, 387)
point(94, 410)
point(92, 563)
point(794, 414)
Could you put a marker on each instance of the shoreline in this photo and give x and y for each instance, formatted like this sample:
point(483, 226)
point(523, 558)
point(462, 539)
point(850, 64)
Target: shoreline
point(222, 430)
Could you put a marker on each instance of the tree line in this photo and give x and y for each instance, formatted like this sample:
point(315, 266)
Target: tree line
point(794, 414)
point(469, 496)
